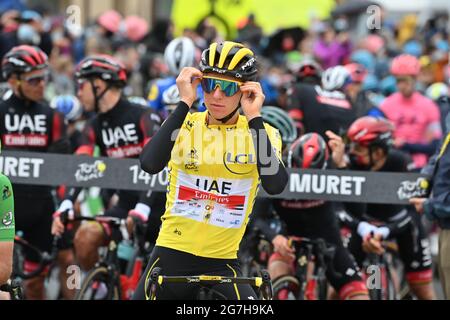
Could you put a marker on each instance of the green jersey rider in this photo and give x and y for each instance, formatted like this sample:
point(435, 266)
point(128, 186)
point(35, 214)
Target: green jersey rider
point(7, 231)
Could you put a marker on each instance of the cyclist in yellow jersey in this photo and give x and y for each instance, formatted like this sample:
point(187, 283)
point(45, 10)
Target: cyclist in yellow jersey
point(216, 161)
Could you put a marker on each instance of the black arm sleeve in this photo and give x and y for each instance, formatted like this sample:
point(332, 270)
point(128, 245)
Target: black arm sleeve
point(348, 220)
point(398, 226)
point(273, 174)
point(350, 213)
point(427, 148)
point(156, 153)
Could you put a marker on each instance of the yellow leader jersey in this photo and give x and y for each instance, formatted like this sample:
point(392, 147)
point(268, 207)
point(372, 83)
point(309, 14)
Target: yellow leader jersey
point(212, 186)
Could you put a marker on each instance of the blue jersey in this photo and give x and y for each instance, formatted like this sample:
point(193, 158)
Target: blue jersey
point(157, 89)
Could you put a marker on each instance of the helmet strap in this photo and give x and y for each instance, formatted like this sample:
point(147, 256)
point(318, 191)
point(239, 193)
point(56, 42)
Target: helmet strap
point(22, 94)
point(97, 96)
point(371, 162)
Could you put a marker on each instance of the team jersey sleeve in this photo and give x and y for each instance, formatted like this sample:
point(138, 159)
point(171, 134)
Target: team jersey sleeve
point(271, 170)
point(275, 140)
point(434, 129)
point(88, 140)
point(149, 124)
point(7, 222)
point(154, 97)
point(438, 206)
point(60, 142)
point(295, 109)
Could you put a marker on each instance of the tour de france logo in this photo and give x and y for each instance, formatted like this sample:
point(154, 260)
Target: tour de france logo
point(90, 171)
point(409, 189)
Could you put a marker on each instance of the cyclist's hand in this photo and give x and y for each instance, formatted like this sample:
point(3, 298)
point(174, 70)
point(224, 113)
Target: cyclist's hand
point(252, 99)
point(187, 83)
point(373, 244)
point(418, 203)
point(364, 229)
point(136, 216)
point(57, 225)
point(281, 245)
point(337, 147)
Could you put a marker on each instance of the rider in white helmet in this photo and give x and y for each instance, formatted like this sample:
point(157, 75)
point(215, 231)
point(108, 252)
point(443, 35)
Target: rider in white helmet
point(179, 53)
point(335, 78)
point(171, 98)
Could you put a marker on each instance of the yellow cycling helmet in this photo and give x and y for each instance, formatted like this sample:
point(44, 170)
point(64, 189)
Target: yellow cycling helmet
point(231, 59)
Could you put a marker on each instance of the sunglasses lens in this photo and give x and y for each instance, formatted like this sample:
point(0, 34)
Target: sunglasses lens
point(208, 85)
point(228, 87)
point(36, 80)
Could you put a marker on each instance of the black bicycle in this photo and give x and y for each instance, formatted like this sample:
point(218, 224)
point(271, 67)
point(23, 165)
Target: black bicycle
point(46, 261)
point(106, 281)
point(261, 283)
point(386, 276)
point(299, 286)
point(254, 253)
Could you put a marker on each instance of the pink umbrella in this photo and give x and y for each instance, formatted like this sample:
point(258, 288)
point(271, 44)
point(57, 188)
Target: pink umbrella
point(136, 28)
point(110, 20)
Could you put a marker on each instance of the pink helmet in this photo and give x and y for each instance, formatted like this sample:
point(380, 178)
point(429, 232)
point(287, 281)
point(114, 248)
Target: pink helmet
point(357, 72)
point(136, 28)
point(405, 65)
point(110, 20)
point(373, 43)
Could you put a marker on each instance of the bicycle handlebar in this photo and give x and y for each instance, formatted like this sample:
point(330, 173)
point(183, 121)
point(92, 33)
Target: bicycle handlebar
point(262, 282)
point(46, 258)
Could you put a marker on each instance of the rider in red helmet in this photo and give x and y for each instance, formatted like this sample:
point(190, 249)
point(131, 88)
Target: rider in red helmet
point(371, 141)
point(306, 218)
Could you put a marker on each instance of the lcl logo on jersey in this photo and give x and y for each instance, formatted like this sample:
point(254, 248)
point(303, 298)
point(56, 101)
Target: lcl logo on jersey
point(240, 158)
point(234, 163)
point(112, 136)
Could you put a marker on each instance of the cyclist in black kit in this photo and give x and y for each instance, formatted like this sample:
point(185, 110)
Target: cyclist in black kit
point(308, 218)
point(120, 130)
point(317, 108)
point(370, 149)
point(29, 124)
